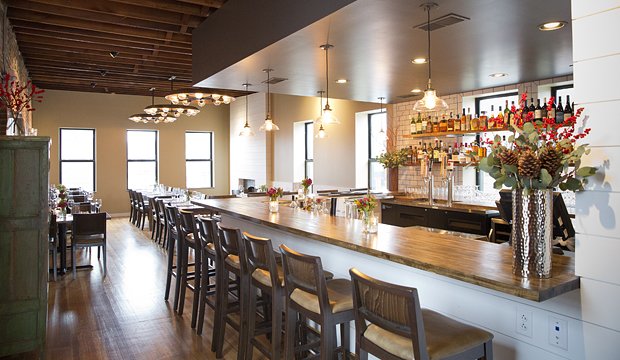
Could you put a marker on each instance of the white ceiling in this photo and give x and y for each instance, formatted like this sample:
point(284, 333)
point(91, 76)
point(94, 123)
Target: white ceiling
point(375, 41)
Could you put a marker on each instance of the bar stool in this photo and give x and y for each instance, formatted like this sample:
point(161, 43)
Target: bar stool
point(161, 222)
point(188, 239)
point(143, 210)
point(326, 302)
point(207, 231)
point(153, 223)
point(133, 214)
point(229, 250)
point(173, 236)
point(390, 324)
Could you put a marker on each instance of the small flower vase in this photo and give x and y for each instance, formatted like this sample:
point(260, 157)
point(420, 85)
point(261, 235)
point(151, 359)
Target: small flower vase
point(63, 212)
point(369, 222)
point(302, 193)
point(274, 206)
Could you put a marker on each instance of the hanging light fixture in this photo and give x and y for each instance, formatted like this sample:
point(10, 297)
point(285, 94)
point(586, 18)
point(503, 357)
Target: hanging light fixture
point(148, 118)
point(199, 96)
point(382, 132)
point(328, 116)
point(430, 101)
point(268, 125)
point(321, 134)
point(247, 130)
point(171, 110)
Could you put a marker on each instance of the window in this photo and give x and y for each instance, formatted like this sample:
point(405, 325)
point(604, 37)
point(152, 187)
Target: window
point(561, 92)
point(309, 150)
point(77, 158)
point(485, 103)
point(376, 145)
point(198, 159)
point(142, 159)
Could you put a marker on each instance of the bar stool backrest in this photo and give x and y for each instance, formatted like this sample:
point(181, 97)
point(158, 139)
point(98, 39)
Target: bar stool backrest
point(392, 307)
point(230, 244)
point(171, 219)
point(187, 224)
point(304, 272)
point(140, 198)
point(160, 207)
point(259, 255)
point(207, 231)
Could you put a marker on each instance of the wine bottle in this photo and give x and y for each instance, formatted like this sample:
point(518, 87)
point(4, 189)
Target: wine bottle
point(532, 107)
point(551, 111)
point(418, 124)
point(543, 110)
point(511, 116)
point(436, 151)
point(568, 112)
point(559, 112)
point(424, 125)
point(412, 126)
point(526, 110)
point(538, 111)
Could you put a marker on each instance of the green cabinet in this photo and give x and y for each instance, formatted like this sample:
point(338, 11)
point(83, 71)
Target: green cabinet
point(24, 173)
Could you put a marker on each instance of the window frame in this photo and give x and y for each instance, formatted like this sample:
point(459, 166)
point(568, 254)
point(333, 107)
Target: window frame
point(94, 160)
point(371, 160)
point(554, 90)
point(308, 128)
point(495, 96)
point(210, 160)
point(156, 154)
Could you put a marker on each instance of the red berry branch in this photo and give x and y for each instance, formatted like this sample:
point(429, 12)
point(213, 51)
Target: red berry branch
point(17, 98)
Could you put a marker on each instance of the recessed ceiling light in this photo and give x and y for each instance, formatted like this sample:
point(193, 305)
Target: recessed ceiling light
point(419, 61)
point(551, 25)
point(416, 91)
point(498, 75)
point(342, 81)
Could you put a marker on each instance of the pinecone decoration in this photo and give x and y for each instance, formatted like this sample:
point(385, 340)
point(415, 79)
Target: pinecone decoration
point(508, 157)
point(529, 165)
point(550, 159)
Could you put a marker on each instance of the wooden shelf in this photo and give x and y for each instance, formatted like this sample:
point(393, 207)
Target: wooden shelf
point(456, 164)
point(449, 133)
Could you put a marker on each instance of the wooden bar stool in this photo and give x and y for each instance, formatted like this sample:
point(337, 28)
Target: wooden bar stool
point(173, 236)
point(229, 250)
point(207, 231)
point(161, 224)
point(390, 324)
point(326, 302)
point(188, 239)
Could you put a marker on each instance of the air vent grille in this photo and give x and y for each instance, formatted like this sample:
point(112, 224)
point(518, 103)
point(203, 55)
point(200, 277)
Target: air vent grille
point(409, 96)
point(274, 80)
point(442, 22)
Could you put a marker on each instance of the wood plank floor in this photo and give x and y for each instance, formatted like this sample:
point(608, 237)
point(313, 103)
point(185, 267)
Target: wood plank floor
point(124, 316)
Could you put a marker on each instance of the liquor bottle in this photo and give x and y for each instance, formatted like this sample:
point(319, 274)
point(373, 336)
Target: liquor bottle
point(424, 125)
point(532, 107)
point(475, 123)
point(457, 121)
point(414, 155)
point(526, 110)
point(412, 126)
point(538, 112)
point(410, 156)
point(483, 119)
point(451, 123)
point(418, 124)
point(436, 124)
point(499, 120)
point(543, 110)
point(551, 111)
point(443, 124)
point(468, 120)
point(463, 121)
point(506, 114)
point(511, 118)
point(568, 112)
point(436, 151)
point(429, 125)
point(491, 119)
point(559, 112)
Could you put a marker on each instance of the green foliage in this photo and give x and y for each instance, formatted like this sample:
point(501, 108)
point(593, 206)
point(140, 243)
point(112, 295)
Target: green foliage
point(393, 159)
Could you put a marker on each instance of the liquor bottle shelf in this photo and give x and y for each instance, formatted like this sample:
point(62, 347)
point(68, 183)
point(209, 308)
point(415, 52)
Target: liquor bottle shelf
point(451, 133)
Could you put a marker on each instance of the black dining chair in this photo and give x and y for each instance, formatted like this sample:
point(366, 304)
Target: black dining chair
point(88, 230)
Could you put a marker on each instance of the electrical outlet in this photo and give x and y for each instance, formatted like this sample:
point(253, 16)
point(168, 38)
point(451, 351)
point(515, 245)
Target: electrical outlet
point(524, 321)
point(558, 332)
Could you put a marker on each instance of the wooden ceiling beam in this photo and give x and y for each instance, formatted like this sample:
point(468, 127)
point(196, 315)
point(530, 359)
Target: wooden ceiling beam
point(102, 90)
point(52, 43)
point(20, 14)
point(86, 81)
point(121, 68)
point(45, 8)
point(69, 31)
point(210, 3)
point(128, 10)
point(96, 73)
point(175, 6)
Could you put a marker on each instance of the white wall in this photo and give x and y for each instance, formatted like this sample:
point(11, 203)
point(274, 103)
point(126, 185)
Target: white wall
point(596, 56)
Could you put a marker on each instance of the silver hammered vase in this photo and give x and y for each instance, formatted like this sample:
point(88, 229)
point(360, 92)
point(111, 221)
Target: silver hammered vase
point(532, 232)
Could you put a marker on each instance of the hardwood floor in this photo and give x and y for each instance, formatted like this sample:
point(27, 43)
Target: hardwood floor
point(124, 316)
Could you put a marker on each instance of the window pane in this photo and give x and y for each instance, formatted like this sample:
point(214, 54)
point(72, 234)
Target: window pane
point(377, 140)
point(141, 174)
point(78, 174)
point(485, 104)
point(197, 145)
point(562, 93)
point(141, 145)
point(377, 176)
point(77, 144)
point(309, 141)
point(310, 169)
point(198, 174)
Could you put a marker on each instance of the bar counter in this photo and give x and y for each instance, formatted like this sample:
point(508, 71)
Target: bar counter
point(475, 262)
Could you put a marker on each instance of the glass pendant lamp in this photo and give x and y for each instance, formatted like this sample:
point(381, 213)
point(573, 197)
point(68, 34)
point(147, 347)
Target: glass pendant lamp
point(247, 130)
point(268, 125)
point(321, 134)
point(328, 116)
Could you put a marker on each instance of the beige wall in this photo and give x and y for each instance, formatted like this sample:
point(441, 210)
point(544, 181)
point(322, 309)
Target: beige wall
point(108, 113)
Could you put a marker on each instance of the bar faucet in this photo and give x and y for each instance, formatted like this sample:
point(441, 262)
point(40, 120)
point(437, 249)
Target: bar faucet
point(429, 179)
point(450, 185)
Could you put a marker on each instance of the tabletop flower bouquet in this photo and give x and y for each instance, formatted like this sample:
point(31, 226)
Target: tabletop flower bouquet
point(305, 184)
point(540, 156)
point(366, 207)
point(62, 198)
point(17, 98)
point(274, 194)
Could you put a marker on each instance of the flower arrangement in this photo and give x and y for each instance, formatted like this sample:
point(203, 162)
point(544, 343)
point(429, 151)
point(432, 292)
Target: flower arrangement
point(539, 155)
point(62, 196)
point(366, 204)
point(393, 159)
point(274, 194)
point(17, 98)
point(306, 183)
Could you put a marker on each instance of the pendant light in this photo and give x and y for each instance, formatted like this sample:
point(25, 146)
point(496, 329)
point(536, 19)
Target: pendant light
point(382, 133)
point(268, 125)
point(430, 102)
point(148, 118)
point(328, 116)
point(321, 134)
point(247, 130)
point(171, 110)
point(199, 96)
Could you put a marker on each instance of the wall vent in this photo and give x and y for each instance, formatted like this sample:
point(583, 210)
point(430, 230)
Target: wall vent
point(274, 80)
point(442, 22)
point(409, 96)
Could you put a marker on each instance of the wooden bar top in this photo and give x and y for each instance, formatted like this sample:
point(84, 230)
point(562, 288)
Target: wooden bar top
point(476, 262)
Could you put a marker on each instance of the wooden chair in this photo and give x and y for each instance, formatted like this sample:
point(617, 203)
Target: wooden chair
point(328, 303)
point(143, 210)
point(188, 239)
point(160, 222)
point(131, 209)
point(88, 230)
point(207, 231)
point(78, 198)
point(173, 236)
point(153, 225)
point(135, 207)
point(53, 244)
point(390, 324)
